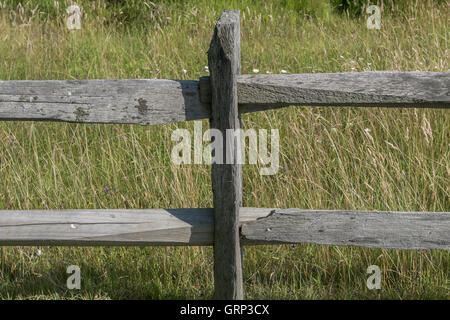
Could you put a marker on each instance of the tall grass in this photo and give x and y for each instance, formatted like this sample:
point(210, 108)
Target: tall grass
point(331, 158)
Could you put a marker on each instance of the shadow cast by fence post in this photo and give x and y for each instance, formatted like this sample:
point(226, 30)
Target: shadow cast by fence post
point(201, 221)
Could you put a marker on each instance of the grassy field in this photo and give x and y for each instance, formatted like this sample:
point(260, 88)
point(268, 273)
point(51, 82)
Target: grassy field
point(331, 158)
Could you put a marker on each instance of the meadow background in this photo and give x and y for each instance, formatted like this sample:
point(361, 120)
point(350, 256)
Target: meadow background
point(331, 158)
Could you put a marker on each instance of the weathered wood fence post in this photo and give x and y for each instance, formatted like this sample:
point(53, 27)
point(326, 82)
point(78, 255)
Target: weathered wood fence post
point(224, 59)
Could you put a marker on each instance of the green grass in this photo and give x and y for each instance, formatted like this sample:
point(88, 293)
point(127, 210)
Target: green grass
point(331, 158)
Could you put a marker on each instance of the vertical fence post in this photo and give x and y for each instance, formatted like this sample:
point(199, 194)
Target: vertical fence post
point(224, 59)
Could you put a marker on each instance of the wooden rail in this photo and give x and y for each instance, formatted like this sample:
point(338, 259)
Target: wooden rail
point(371, 229)
point(127, 227)
point(358, 89)
point(157, 101)
point(129, 101)
point(195, 227)
point(221, 98)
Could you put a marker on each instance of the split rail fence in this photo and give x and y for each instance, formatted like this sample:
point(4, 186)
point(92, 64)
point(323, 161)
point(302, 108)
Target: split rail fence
point(222, 97)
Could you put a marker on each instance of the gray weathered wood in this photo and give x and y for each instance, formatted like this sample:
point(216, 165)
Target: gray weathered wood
point(114, 227)
point(155, 101)
point(370, 89)
point(224, 64)
point(131, 101)
point(194, 227)
point(390, 230)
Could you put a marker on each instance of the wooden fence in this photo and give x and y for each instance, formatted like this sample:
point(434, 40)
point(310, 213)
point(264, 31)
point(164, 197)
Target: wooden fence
point(221, 98)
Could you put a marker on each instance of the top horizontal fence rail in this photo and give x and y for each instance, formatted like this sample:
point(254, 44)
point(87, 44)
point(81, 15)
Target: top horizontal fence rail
point(158, 101)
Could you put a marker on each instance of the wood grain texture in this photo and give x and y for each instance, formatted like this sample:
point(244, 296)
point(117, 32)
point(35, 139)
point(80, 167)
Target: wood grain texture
point(224, 64)
point(390, 230)
point(157, 101)
point(195, 227)
point(369, 89)
point(115, 227)
point(129, 101)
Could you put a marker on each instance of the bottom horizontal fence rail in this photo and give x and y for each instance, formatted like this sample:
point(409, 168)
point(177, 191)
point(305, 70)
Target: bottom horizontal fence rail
point(194, 227)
